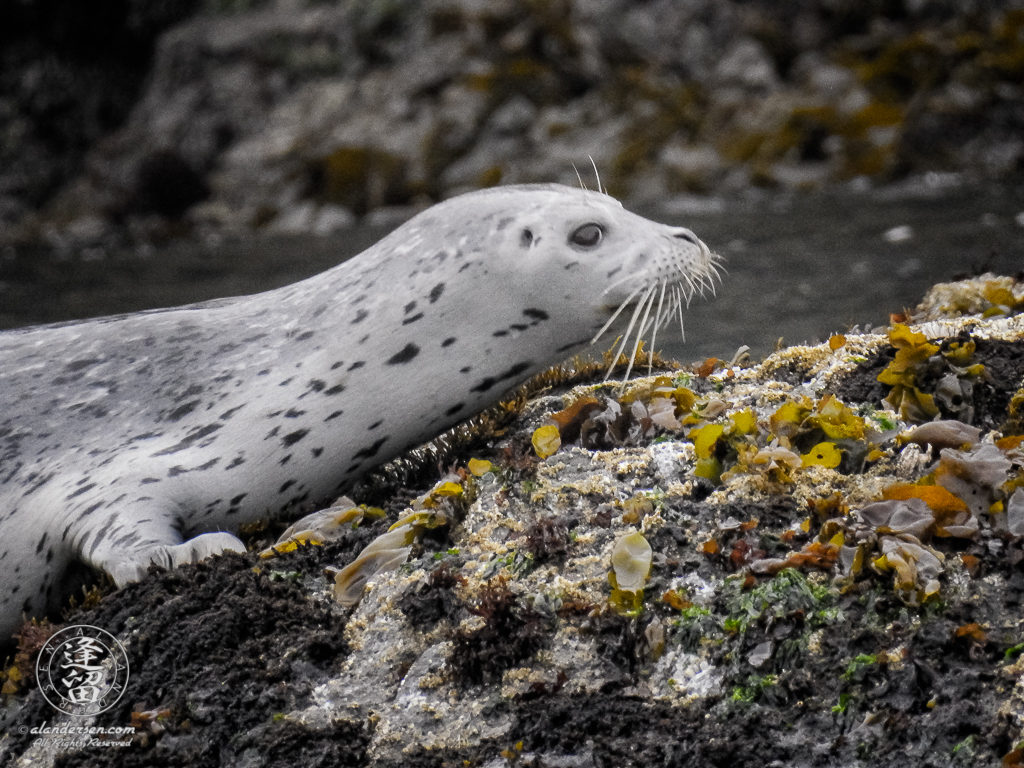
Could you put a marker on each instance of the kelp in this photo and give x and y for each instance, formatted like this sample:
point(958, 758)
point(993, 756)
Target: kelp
point(917, 362)
point(631, 567)
point(391, 549)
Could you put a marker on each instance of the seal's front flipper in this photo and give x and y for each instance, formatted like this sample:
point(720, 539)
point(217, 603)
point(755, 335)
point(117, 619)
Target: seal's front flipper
point(125, 567)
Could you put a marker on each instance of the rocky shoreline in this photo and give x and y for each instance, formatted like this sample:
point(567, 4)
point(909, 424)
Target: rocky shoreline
point(294, 116)
point(807, 579)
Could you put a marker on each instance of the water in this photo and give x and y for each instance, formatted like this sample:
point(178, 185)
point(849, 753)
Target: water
point(799, 266)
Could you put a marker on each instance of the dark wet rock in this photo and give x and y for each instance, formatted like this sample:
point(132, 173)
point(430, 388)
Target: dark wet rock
point(300, 116)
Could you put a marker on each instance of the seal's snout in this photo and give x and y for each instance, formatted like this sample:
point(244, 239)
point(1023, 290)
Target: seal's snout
point(660, 281)
point(688, 236)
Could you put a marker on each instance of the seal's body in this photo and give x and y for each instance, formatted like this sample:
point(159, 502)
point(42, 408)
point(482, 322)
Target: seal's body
point(147, 437)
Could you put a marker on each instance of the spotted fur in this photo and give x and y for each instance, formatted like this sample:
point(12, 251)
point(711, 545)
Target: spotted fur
point(149, 437)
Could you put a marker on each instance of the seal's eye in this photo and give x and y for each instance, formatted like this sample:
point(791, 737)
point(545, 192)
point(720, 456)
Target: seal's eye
point(587, 236)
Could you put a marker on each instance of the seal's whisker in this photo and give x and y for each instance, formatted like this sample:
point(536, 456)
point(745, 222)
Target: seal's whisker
point(688, 295)
point(625, 336)
point(689, 282)
point(611, 320)
point(596, 174)
point(707, 282)
point(654, 332)
point(582, 185)
point(645, 302)
point(682, 329)
point(677, 301)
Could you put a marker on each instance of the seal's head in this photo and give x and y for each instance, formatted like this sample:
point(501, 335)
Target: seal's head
point(599, 257)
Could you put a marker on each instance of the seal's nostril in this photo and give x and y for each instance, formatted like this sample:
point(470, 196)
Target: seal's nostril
point(687, 236)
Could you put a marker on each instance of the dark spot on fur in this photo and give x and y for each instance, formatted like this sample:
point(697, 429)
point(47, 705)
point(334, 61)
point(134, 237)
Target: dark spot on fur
point(286, 382)
point(360, 316)
point(238, 499)
point(317, 385)
point(567, 347)
point(236, 462)
point(229, 413)
point(334, 415)
point(285, 460)
point(287, 484)
point(525, 238)
point(337, 389)
point(499, 334)
point(435, 292)
point(357, 364)
point(614, 272)
point(410, 307)
point(372, 450)
point(413, 319)
point(182, 411)
point(504, 222)
point(190, 439)
point(175, 471)
point(42, 543)
point(466, 369)
point(449, 341)
point(304, 336)
point(518, 327)
point(291, 413)
point(409, 352)
point(294, 437)
point(375, 424)
point(317, 452)
point(536, 314)
point(337, 365)
point(77, 365)
point(80, 491)
point(454, 409)
point(490, 381)
point(465, 266)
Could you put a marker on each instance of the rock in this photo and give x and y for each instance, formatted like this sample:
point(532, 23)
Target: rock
point(368, 105)
point(804, 596)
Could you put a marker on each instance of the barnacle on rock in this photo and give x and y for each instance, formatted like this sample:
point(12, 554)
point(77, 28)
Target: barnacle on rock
point(988, 296)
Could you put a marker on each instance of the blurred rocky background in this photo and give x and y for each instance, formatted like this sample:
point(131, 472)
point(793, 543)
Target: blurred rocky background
point(128, 120)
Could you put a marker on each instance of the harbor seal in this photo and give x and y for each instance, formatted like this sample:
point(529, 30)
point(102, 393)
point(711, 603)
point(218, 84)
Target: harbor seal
point(151, 437)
